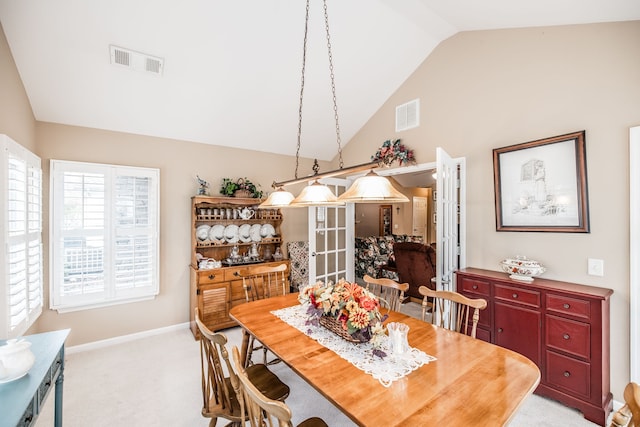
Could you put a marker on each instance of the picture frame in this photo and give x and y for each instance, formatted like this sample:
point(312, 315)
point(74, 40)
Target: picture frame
point(542, 185)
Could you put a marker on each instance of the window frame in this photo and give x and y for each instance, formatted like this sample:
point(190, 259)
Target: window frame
point(112, 293)
point(29, 237)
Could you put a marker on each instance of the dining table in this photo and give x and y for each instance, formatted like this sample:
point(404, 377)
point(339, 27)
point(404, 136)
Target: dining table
point(469, 382)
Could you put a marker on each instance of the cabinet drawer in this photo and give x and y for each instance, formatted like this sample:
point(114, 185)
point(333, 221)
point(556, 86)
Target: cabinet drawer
point(568, 374)
point(521, 296)
point(474, 286)
point(210, 276)
point(570, 306)
point(568, 336)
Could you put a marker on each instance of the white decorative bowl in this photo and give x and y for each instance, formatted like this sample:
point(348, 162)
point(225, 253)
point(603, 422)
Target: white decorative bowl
point(522, 268)
point(16, 358)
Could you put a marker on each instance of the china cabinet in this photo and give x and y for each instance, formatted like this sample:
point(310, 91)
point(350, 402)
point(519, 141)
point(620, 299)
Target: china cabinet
point(562, 327)
point(227, 234)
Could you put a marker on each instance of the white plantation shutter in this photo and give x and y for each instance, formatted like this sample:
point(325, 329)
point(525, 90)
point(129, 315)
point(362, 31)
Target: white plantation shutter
point(104, 234)
point(21, 222)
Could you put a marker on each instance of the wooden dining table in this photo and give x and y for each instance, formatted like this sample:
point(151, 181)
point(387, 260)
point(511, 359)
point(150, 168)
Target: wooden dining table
point(471, 382)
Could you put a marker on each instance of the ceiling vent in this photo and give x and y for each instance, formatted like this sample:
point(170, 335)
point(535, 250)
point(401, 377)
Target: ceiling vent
point(136, 60)
point(408, 115)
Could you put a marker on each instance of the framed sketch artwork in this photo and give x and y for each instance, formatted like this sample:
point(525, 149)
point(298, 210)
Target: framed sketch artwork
point(542, 185)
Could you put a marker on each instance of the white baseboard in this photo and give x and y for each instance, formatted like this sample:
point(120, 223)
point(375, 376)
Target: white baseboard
point(124, 338)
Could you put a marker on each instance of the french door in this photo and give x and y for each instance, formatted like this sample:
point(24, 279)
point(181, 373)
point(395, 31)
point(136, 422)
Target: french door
point(331, 238)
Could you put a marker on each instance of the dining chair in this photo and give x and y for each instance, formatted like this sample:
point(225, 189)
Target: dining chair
point(218, 395)
point(260, 282)
point(260, 409)
point(451, 310)
point(390, 292)
point(629, 414)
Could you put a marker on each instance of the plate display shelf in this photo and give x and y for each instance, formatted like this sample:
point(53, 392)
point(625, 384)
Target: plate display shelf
point(215, 291)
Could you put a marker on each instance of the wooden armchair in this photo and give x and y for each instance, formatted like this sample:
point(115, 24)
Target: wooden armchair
point(456, 317)
point(391, 293)
point(218, 395)
point(629, 414)
point(260, 282)
point(260, 409)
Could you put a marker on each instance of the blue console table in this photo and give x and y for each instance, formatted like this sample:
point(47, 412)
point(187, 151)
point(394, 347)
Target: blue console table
point(21, 400)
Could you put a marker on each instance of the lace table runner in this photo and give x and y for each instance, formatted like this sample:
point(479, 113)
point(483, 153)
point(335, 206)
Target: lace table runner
point(386, 370)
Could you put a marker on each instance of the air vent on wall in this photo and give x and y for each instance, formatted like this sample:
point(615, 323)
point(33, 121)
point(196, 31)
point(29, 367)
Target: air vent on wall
point(136, 60)
point(408, 115)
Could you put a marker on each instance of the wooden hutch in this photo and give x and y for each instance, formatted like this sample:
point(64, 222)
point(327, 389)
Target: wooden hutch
point(214, 291)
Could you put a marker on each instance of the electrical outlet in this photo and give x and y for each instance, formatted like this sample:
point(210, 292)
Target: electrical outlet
point(595, 267)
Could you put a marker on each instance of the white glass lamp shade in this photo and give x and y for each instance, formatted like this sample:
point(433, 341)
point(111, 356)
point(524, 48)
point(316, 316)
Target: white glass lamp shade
point(316, 194)
point(372, 188)
point(277, 199)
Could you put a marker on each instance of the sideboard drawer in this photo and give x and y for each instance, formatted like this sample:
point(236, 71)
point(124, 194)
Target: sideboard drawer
point(206, 277)
point(475, 286)
point(568, 374)
point(521, 296)
point(568, 336)
point(569, 306)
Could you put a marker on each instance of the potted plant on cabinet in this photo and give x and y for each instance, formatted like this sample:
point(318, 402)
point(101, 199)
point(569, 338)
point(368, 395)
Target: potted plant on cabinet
point(242, 187)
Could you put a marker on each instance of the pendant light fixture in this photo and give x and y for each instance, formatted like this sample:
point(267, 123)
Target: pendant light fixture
point(370, 188)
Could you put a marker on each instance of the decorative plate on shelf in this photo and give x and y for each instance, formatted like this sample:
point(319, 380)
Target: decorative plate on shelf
point(217, 232)
point(245, 231)
point(255, 233)
point(231, 233)
point(202, 232)
point(267, 230)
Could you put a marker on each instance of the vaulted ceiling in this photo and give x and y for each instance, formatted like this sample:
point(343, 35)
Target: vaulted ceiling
point(232, 69)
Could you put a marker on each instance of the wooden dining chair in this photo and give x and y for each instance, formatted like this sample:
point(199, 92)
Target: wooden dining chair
point(260, 409)
point(629, 414)
point(218, 395)
point(390, 292)
point(451, 310)
point(260, 282)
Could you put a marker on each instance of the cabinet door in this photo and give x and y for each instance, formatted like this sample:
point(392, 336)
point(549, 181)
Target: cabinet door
point(518, 329)
point(213, 301)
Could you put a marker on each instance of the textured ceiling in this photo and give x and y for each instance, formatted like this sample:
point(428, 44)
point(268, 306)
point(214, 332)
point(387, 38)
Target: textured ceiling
point(232, 68)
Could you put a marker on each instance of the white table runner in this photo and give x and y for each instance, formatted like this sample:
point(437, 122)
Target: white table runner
point(386, 370)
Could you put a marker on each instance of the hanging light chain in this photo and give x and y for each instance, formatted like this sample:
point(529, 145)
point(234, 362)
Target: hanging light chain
point(333, 83)
point(304, 63)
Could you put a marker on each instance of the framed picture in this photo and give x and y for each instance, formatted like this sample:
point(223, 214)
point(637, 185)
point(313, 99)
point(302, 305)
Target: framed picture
point(542, 185)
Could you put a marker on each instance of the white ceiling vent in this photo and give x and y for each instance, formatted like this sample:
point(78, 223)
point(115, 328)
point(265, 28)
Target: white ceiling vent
point(136, 60)
point(408, 115)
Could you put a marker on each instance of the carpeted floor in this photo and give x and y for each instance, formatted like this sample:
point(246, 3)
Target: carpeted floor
point(155, 381)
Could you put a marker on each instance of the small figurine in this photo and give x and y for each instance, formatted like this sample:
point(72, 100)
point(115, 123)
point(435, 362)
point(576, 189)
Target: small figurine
point(202, 191)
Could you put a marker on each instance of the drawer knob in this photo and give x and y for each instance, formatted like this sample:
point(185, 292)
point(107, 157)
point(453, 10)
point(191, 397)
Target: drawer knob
point(565, 336)
point(475, 286)
point(566, 374)
point(515, 295)
point(566, 306)
point(212, 276)
point(500, 330)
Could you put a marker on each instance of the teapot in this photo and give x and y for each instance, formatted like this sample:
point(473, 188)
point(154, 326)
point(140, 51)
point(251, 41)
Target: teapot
point(246, 213)
point(16, 358)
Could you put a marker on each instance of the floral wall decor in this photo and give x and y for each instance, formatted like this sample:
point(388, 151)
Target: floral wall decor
point(392, 151)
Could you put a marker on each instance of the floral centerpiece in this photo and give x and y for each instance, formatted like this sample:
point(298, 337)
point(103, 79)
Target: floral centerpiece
point(392, 151)
point(352, 307)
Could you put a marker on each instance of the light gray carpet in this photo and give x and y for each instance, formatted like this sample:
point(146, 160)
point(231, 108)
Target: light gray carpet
point(155, 381)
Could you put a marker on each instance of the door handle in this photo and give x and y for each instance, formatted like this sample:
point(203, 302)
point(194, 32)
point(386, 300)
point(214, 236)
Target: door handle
point(313, 254)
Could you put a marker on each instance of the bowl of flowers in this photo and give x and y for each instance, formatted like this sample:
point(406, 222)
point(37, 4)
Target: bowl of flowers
point(346, 309)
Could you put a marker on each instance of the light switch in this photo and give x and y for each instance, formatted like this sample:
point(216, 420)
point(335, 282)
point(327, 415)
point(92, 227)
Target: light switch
point(595, 267)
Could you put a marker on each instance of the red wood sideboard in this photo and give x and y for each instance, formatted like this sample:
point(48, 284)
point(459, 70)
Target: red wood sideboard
point(562, 327)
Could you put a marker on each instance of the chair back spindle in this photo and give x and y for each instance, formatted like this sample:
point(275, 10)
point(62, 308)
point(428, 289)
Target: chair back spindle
point(452, 310)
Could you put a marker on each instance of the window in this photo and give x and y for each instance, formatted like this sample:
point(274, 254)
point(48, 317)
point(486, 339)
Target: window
point(104, 234)
point(21, 236)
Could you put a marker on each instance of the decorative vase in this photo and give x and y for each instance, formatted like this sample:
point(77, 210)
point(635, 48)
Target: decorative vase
point(332, 324)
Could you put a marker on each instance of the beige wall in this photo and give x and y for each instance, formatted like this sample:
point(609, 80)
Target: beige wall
point(16, 118)
point(179, 162)
point(487, 89)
